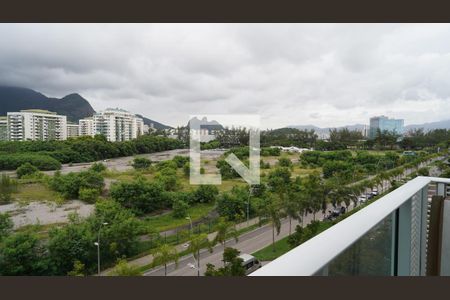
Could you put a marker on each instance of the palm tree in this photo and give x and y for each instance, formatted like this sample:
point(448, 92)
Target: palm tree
point(273, 212)
point(196, 243)
point(165, 254)
point(225, 229)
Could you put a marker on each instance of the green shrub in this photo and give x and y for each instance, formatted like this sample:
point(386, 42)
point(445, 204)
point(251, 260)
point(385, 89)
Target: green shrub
point(180, 160)
point(26, 169)
point(141, 163)
point(180, 208)
point(15, 160)
point(88, 195)
point(98, 167)
point(7, 187)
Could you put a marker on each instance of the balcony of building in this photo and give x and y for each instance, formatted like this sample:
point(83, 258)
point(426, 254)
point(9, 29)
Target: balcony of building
point(404, 233)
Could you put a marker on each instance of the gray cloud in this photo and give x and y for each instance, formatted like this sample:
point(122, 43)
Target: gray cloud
point(325, 74)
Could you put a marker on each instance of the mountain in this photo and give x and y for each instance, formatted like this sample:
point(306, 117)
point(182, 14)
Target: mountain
point(204, 124)
point(430, 126)
point(73, 106)
point(155, 125)
point(326, 130)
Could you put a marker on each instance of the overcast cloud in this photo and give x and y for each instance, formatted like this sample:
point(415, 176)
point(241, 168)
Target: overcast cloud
point(326, 75)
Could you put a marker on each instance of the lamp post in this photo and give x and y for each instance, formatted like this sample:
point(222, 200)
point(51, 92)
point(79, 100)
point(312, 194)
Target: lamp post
point(97, 243)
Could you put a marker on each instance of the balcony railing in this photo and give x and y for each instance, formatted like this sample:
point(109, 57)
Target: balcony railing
point(388, 237)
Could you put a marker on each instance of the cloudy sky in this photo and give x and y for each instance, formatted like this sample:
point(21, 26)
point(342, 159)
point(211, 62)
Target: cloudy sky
point(321, 74)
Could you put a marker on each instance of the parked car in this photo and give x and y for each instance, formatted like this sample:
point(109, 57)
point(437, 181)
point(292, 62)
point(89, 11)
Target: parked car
point(362, 199)
point(250, 263)
point(374, 192)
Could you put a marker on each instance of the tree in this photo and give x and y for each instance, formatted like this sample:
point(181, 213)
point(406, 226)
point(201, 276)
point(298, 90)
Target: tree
point(6, 225)
point(196, 243)
point(165, 254)
point(123, 268)
point(26, 169)
point(78, 269)
point(23, 254)
point(225, 229)
point(206, 193)
point(180, 208)
point(232, 265)
point(7, 187)
point(98, 167)
point(141, 163)
point(284, 162)
point(233, 205)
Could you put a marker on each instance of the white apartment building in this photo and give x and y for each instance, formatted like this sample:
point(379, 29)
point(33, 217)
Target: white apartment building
point(36, 124)
point(86, 127)
point(115, 124)
point(3, 129)
point(73, 130)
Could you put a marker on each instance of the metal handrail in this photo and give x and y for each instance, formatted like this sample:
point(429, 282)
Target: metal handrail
point(314, 254)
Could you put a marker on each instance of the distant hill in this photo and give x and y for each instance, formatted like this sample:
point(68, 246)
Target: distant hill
point(326, 130)
point(156, 125)
point(430, 126)
point(74, 106)
point(14, 99)
point(204, 124)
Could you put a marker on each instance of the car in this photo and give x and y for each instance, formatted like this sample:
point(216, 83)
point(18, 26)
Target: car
point(250, 263)
point(362, 199)
point(370, 196)
point(374, 192)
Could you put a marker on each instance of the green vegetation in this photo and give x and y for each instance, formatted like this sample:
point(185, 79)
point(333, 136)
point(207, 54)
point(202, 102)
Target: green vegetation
point(141, 163)
point(8, 186)
point(26, 169)
point(232, 265)
point(70, 185)
point(48, 155)
point(267, 253)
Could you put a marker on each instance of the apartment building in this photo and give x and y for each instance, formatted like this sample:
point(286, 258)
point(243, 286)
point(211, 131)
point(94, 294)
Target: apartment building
point(86, 127)
point(3, 129)
point(36, 125)
point(73, 130)
point(115, 124)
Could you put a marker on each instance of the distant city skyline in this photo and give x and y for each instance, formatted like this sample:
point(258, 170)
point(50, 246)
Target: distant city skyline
point(327, 75)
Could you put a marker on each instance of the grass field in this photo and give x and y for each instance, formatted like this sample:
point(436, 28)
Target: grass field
point(36, 192)
point(268, 253)
point(168, 221)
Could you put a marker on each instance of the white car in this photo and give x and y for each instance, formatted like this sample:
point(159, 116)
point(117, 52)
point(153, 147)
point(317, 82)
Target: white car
point(362, 199)
point(375, 192)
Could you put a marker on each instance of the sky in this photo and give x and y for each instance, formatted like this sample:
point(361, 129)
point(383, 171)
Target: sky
point(290, 74)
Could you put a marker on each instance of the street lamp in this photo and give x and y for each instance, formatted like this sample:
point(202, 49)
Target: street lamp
point(97, 243)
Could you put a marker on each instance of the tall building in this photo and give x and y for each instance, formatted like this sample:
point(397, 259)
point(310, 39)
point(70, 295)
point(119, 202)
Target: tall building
point(73, 130)
point(86, 127)
point(384, 123)
point(114, 124)
point(3, 129)
point(36, 124)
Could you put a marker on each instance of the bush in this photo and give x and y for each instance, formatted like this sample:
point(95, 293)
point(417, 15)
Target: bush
point(69, 185)
point(88, 195)
point(180, 208)
point(206, 194)
point(7, 187)
point(42, 162)
point(284, 162)
point(267, 151)
point(98, 167)
point(139, 195)
point(141, 163)
point(26, 169)
point(180, 160)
